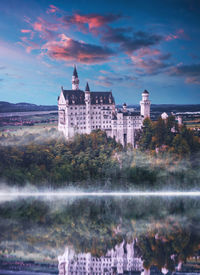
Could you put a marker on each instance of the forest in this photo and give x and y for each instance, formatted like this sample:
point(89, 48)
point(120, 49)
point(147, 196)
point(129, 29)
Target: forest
point(167, 135)
point(166, 154)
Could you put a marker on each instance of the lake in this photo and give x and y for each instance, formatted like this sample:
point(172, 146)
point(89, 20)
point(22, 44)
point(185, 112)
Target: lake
point(101, 234)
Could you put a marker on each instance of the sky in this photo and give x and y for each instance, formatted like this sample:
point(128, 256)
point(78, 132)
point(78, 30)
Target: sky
point(117, 45)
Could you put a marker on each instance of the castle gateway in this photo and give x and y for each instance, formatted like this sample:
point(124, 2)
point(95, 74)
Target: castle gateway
point(80, 112)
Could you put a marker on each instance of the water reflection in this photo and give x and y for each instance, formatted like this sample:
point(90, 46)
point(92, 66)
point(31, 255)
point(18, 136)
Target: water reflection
point(105, 234)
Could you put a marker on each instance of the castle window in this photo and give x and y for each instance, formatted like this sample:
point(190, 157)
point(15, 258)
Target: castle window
point(71, 108)
point(75, 108)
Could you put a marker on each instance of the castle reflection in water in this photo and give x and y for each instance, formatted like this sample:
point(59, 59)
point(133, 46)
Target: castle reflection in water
point(125, 257)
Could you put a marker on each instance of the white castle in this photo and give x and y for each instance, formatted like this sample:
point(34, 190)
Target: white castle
point(80, 112)
point(123, 258)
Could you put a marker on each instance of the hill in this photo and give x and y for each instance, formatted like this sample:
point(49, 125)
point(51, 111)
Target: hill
point(24, 107)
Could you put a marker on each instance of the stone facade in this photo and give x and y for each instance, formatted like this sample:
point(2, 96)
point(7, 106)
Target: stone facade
point(84, 111)
point(123, 258)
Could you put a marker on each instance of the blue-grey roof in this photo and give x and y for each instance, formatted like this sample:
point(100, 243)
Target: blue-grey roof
point(77, 97)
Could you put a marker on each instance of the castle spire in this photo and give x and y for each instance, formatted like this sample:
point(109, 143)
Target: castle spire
point(75, 72)
point(87, 88)
point(75, 80)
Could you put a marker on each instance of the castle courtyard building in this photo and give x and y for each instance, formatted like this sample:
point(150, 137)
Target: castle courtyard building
point(83, 111)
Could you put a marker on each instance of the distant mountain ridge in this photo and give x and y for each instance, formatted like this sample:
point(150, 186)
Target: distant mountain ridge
point(169, 107)
point(24, 107)
point(27, 107)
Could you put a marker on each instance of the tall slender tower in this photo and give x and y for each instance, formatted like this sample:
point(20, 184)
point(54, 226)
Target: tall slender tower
point(145, 104)
point(75, 80)
point(87, 102)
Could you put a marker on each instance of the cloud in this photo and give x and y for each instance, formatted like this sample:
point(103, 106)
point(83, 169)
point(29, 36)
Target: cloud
point(46, 29)
point(193, 80)
point(52, 9)
point(150, 61)
point(29, 45)
point(133, 42)
point(109, 79)
point(2, 67)
point(68, 49)
point(26, 31)
point(191, 72)
point(177, 35)
point(90, 20)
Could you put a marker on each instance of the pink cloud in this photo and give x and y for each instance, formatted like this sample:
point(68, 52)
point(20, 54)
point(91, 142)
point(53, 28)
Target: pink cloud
point(192, 80)
point(46, 30)
point(37, 26)
point(52, 9)
point(29, 45)
point(42, 25)
point(68, 49)
point(150, 61)
point(93, 21)
point(148, 51)
point(178, 35)
point(26, 31)
point(191, 72)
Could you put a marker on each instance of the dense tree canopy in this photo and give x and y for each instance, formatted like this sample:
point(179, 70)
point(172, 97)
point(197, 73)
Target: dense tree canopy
point(165, 157)
point(166, 135)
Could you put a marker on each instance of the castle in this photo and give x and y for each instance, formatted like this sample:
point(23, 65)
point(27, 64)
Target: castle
point(80, 112)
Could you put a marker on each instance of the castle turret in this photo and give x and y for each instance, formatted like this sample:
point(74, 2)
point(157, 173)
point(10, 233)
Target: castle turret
point(145, 104)
point(124, 108)
point(180, 120)
point(75, 80)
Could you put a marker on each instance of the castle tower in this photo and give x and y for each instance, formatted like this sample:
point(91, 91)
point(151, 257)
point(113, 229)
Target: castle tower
point(88, 103)
point(145, 104)
point(124, 108)
point(75, 80)
point(180, 120)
